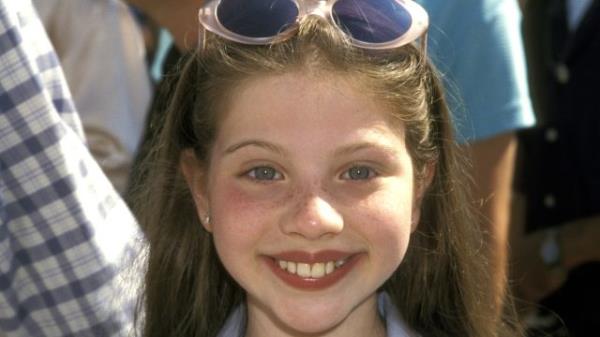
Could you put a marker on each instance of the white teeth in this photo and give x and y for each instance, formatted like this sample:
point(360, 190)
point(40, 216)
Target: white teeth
point(305, 270)
point(283, 264)
point(317, 270)
point(329, 267)
point(291, 267)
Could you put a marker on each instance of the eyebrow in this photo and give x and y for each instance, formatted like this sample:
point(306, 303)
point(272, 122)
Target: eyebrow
point(258, 143)
point(346, 150)
point(352, 148)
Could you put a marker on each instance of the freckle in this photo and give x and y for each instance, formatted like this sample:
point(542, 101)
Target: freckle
point(326, 189)
point(284, 199)
point(295, 193)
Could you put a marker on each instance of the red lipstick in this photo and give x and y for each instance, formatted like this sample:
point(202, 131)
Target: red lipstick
point(308, 283)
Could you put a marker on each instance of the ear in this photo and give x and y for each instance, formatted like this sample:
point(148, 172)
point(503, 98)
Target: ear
point(421, 187)
point(195, 178)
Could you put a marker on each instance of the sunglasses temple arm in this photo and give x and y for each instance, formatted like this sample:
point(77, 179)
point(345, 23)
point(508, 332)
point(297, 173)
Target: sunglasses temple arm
point(423, 44)
point(201, 43)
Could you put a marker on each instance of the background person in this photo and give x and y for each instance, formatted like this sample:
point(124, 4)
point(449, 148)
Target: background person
point(66, 237)
point(557, 255)
point(477, 45)
point(102, 52)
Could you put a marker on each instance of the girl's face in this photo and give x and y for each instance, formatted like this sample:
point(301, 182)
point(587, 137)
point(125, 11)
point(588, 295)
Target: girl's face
point(311, 200)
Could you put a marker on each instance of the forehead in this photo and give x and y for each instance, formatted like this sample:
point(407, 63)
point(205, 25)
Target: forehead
point(299, 96)
point(307, 111)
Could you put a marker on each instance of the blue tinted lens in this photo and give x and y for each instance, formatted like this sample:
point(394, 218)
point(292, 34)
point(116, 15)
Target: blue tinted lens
point(373, 21)
point(257, 18)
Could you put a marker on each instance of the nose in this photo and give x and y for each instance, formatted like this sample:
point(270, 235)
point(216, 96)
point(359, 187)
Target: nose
point(312, 218)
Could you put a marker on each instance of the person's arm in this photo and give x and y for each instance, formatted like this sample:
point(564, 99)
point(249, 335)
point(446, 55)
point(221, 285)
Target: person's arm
point(179, 17)
point(493, 163)
point(478, 47)
point(66, 237)
point(577, 243)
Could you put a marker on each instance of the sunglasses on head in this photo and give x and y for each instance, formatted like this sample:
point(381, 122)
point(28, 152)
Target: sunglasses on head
point(369, 24)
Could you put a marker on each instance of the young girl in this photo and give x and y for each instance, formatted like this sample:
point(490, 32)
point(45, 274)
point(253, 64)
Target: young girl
point(304, 182)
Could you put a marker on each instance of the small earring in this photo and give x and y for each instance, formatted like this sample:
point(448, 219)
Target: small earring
point(207, 219)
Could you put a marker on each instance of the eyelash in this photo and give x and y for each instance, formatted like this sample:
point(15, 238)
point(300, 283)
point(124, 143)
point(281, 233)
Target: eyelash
point(371, 173)
point(255, 173)
point(252, 173)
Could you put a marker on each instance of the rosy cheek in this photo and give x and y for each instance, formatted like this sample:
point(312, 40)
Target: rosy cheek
point(388, 223)
point(233, 229)
point(239, 208)
point(237, 198)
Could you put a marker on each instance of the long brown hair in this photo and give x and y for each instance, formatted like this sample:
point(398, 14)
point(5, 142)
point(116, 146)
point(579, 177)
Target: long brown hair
point(442, 287)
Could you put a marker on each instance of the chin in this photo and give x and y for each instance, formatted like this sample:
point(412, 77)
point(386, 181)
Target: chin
point(311, 320)
point(308, 325)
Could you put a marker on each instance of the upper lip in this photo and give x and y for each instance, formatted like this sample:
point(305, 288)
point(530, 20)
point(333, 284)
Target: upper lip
point(312, 257)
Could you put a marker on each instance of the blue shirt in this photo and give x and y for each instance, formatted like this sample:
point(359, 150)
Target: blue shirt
point(477, 46)
point(66, 237)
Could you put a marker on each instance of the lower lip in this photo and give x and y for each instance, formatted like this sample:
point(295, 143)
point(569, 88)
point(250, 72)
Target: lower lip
point(302, 283)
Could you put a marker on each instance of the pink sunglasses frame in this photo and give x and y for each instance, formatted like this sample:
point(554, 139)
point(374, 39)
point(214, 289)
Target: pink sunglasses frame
point(323, 8)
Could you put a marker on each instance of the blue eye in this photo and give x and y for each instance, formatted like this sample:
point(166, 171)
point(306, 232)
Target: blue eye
point(264, 173)
point(359, 173)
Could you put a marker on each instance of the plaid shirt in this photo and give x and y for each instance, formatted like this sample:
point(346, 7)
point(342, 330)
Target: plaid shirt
point(66, 237)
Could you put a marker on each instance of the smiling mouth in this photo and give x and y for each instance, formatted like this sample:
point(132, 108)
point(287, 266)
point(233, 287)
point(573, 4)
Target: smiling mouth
point(314, 271)
point(305, 272)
